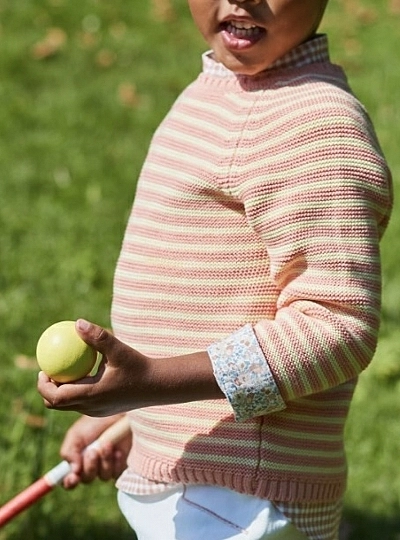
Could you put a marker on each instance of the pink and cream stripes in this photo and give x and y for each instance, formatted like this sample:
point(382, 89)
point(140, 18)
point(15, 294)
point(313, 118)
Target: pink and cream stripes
point(261, 202)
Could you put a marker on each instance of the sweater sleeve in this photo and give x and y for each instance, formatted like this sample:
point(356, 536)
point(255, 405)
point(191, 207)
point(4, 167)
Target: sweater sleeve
point(320, 199)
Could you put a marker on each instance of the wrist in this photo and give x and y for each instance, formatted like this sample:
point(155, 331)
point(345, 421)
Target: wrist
point(183, 378)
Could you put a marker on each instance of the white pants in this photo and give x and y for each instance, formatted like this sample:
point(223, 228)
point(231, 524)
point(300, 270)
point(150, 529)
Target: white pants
point(205, 513)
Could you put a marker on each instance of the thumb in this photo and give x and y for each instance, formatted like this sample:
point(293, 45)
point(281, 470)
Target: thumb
point(96, 336)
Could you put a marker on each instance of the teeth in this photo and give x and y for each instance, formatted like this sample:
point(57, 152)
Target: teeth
point(242, 29)
point(244, 25)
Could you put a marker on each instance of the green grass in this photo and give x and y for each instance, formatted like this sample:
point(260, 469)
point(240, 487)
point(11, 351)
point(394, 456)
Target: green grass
point(365, 36)
point(75, 127)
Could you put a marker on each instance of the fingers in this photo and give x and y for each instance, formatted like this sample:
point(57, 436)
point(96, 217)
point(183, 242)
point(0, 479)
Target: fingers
point(96, 336)
point(87, 471)
point(108, 462)
point(92, 466)
point(65, 397)
point(109, 391)
point(47, 388)
point(90, 459)
point(71, 481)
point(73, 396)
point(105, 463)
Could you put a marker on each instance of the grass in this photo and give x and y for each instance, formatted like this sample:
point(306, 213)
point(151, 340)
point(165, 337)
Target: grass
point(82, 87)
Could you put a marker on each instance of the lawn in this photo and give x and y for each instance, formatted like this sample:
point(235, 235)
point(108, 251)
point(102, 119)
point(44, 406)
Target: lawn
point(82, 87)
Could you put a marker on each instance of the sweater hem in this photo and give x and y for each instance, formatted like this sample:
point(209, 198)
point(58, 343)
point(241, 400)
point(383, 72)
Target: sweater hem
point(294, 489)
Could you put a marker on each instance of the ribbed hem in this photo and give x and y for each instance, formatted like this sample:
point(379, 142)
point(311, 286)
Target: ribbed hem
point(273, 489)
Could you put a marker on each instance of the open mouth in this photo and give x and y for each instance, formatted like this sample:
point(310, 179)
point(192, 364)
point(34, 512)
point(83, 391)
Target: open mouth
point(243, 30)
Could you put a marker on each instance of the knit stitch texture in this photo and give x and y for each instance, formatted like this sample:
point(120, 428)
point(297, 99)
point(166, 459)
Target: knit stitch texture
point(261, 202)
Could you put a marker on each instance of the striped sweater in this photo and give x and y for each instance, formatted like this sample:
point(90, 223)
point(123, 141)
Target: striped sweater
point(255, 235)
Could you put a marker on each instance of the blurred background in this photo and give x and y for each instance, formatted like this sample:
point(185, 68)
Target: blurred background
point(83, 85)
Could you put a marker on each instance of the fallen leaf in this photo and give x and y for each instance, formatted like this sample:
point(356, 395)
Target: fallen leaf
point(35, 421)
point(31, 420)
point(106, 58)
point(52, 43)
point(21, 361)
point(88, 39)
point(394, 7)
point(352, 46)
point(366, 15)
point(127, 94)
point(162, 10)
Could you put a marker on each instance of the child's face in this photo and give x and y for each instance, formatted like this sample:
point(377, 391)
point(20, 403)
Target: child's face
point(247, 36)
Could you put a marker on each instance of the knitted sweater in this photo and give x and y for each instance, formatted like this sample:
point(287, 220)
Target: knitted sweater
point(255, 234)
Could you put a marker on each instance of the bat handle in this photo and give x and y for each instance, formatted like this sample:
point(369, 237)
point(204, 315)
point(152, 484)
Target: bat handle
point(41, 487)
point(57, 473)
point(113, 434)
point(24, 499)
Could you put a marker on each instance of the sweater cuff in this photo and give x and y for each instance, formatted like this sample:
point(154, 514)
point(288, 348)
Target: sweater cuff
point(244, 376)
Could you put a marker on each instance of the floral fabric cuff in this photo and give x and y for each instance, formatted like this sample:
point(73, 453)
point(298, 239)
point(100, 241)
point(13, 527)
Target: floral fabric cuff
point(244, 376)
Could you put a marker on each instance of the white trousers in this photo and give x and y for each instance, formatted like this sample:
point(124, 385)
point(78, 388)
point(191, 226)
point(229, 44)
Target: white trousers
point(205, 513)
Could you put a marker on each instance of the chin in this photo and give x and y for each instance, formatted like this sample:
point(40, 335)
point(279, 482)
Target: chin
point(248, 71)
point(239, 67)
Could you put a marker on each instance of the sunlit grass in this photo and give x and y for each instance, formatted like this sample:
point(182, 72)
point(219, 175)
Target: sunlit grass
point(82, 87)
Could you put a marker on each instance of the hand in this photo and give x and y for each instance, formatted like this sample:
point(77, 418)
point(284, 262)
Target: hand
point(127, 380)
point(105, 463)
point(119, 385)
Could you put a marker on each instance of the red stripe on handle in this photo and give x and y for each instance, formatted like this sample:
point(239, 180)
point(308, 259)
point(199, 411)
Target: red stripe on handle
point(31, 494)
point(25, 499)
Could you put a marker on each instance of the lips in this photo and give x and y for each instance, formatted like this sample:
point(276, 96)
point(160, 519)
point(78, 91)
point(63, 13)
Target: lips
point(240, 34)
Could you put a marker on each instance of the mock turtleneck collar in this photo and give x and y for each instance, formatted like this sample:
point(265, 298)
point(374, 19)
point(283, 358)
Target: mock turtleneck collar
point(309, 52)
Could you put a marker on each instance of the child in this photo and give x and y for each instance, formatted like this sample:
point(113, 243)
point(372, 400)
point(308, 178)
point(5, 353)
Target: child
point(249, 282)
